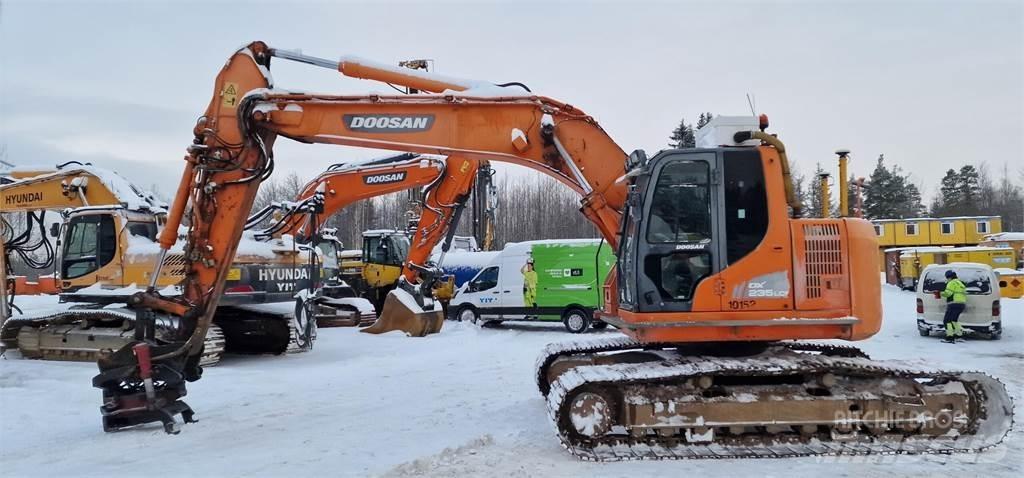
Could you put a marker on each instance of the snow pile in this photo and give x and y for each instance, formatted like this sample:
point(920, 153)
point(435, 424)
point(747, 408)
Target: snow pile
point(409, 302)
point(1005, 236)
point(458, 403)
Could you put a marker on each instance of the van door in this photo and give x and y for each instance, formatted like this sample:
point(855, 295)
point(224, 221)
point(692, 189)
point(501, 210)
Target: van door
point(483, 291)
point(511, 283)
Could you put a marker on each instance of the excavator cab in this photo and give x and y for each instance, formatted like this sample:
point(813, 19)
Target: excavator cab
point(96, 241)
point(692, 213)
point(328, 248)
point(384, 253)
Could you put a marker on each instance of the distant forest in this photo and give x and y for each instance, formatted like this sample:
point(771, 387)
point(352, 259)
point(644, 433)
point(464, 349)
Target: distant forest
point(532, 207)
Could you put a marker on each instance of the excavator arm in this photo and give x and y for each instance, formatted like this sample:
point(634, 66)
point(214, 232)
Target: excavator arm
point(232, 153)
point(446, 183)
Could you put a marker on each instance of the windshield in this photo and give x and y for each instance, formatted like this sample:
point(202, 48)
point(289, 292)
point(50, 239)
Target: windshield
point(977, 281)
point(680, 208)
point(329, 253)
point(400, 248)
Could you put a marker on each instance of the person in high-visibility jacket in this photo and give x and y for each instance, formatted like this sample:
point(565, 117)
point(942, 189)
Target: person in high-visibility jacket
point(529, 284)
point(956, 300)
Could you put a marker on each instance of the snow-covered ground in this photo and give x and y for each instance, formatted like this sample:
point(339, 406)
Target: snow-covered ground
point(461, 403)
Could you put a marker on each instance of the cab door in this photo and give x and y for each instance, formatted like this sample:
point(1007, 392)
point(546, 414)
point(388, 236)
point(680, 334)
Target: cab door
point(483, 292)
point(90, 246)
point(674, 244)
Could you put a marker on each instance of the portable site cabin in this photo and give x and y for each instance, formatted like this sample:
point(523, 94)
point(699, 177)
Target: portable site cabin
point(1011, 240)
point(903, 266)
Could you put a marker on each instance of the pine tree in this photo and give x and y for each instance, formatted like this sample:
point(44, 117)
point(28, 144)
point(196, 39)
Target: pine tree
point(878, 196)
point(704, 119)
point(948, 202)
point(682, 136)
point(969, 186)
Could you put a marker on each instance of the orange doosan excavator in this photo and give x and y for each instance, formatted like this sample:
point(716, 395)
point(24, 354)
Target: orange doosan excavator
point(345, 183)
point(716, 275)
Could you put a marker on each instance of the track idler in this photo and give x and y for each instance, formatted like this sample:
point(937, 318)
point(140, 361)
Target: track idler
point(409, 310)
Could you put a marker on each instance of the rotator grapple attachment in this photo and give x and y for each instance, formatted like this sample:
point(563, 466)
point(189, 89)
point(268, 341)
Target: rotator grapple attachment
point(138, 389)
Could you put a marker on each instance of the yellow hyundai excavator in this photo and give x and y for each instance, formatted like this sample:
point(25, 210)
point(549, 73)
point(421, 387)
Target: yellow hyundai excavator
point(105, 248)
point(717, 279)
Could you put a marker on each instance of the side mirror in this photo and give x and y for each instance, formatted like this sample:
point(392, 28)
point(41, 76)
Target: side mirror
point(55, 229)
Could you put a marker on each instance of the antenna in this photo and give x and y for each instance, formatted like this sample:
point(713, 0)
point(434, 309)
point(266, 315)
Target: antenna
point(752, 102)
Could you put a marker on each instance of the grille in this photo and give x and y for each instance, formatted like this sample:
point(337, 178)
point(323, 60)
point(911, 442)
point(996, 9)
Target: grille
point(174, 264)
point(822, 256)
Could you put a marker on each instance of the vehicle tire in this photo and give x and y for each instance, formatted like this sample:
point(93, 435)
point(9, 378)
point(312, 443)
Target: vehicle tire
point(468, 314)
point(924, 332)
point(599, 325)
point(576, 320)
point(996, 336)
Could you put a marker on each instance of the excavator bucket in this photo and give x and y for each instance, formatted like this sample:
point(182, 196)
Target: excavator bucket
point(401, 312)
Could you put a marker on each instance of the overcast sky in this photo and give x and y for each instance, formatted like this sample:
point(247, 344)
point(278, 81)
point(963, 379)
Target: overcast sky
point(931, 85)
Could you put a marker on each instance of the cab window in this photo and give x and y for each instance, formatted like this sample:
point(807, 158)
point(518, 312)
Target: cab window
point(375, 250)
point(746, 203)
point(487, 279)
point(329, 253)
point(681, 208)
point(91, 244)
point(142, 229)
point(399, 248)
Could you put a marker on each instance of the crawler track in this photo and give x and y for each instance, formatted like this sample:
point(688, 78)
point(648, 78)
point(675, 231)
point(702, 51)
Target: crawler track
point(654, 410)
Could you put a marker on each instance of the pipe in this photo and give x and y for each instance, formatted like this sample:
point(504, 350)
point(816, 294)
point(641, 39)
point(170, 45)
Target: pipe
point(787, 177)
point(844, 190)
point(825, 195)
point(368, 70)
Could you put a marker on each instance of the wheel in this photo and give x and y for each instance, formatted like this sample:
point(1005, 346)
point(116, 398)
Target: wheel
point(468, 314)
point(924, 332)
point(599, 325)
point(576, 320)
point(995, 335)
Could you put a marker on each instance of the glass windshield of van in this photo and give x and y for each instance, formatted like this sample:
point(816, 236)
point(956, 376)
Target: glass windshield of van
point(978, 281)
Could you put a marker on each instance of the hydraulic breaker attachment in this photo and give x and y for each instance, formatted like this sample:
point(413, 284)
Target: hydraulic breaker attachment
point(409, 310)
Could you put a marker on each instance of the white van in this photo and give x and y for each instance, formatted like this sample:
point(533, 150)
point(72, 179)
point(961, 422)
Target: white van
point(567, 276)
point(982, 314)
